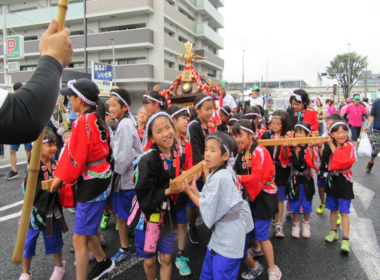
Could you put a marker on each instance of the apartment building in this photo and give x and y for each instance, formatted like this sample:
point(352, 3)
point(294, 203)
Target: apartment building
point(147, 35)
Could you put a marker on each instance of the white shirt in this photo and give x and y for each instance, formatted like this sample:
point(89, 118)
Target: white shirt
point(257, 100)
point(229, 101)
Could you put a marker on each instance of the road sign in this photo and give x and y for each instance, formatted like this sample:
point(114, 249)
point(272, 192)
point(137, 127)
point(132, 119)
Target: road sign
point(14, 47)
point(101, 74)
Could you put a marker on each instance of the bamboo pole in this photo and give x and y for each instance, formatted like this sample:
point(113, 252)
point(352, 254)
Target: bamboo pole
point(34, 168)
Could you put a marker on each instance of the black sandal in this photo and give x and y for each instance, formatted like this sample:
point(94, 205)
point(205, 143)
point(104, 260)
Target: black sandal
point(369, 167)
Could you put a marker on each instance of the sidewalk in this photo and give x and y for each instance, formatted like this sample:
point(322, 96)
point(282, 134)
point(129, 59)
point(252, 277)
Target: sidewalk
point(21, 156)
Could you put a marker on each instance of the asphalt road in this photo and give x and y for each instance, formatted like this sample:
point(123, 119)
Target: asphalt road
point(297, 258)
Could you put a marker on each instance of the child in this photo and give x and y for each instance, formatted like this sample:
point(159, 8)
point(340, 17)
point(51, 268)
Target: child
point(45, 205)
point(154, 170)
point(127, 147)
point(180, 115)
point(142, 117)
point(253, 115)
point(87, 160)
point(300, 189)
point(280, 124)
point(224, 114)
point(65, 138)
point(109, 117)
point(196, 132)
point(300, 109)
point(255, 170)
point(340, 154)
point(222, 210)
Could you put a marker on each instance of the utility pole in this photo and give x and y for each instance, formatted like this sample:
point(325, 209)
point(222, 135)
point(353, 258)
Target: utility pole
point(4, 44)
point(349, 70)
point(365, 83)
point(85, 36)
point(261, 83)
point(242, 86)
point(266, 85)
point(114, 63)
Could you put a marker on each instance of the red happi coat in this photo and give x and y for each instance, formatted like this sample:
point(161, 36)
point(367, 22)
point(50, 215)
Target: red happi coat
point(308, 115)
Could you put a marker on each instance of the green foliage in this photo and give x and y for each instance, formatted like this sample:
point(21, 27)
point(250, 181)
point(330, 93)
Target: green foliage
point(346, 63)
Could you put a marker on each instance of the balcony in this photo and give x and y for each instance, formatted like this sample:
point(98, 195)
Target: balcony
point(207, 9)
point(174, 45)
point(212, 59)
point(172, 14)
point(206, 33)
point(217, 3)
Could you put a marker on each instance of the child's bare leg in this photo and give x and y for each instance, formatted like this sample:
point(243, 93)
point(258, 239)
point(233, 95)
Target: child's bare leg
point(280, 211)
point(150, 268)
point(345, 224)
point(268, 253)
point(333, 218)
point(123, 233)
point(26, 263)
point(166, 267)
point(250, 262)
point(81, 255)
point(255, 244)
point(322, 196)
point(94, 246)
point(181, 234)
point(58, 258)
point(306, 217)
point(296, 217)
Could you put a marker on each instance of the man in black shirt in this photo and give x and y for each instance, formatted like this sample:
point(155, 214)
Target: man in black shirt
point(24, 115)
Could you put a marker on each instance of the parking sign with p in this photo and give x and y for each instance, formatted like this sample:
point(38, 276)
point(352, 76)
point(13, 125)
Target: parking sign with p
point(15, 47)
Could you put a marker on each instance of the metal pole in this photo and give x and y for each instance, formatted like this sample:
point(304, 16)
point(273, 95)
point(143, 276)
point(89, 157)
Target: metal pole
point(242, 86)
point(85, 35)
point(4, 44)
point(365, 83)
point(114, 63)
point(261, 84)
point(349, 70)
point(266, 85)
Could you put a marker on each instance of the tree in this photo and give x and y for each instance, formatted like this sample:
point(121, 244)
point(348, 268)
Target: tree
point(340, 65)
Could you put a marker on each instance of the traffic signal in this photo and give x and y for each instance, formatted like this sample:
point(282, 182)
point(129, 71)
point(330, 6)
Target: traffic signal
point(335, 89)
point(322, 74)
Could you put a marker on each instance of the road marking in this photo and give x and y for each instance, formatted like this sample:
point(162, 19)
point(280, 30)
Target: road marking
point(11, 205)
point(124, 266)
point(12, 216)
point(5, 166)
point(365, 194)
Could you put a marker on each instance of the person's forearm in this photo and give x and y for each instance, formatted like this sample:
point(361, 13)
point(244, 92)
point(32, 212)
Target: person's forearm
point(371, 119)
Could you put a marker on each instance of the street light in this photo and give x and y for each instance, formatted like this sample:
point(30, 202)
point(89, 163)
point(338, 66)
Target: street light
point(349, 69)
point(114, 63)
point(266, 85)
point(242, 86)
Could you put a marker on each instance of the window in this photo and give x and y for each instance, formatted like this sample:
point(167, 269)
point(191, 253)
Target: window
point(28, 68)
point(122, 62)
point(171, 65)
point(123, 27)
point(76, 33)
point(30, 38)
point(136, 61)
point(181, 68)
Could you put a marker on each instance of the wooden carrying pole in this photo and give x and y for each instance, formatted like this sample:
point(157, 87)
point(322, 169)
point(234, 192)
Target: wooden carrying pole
point(34, 168)
point(176, 184)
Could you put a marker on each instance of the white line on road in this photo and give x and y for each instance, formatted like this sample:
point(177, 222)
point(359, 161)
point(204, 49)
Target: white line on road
point(11, 205)
point(124, 266)
point(11, 216)
point(365, 194)
point(5, 166)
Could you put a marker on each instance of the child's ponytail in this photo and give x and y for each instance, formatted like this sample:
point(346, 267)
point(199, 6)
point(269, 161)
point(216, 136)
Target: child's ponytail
point(101, 113)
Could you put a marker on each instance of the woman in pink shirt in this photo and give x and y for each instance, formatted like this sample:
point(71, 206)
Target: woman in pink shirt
point(355, 114)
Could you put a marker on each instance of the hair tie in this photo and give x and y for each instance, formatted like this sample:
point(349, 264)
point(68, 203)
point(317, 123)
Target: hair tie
point(298, 97)
point(70, 84)
point(154, 99)
point(179, 111)
point(337, 123)
point(304, 127)
point(203, 100)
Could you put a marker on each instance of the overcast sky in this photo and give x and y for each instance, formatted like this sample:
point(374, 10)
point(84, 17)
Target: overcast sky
point(297, 38)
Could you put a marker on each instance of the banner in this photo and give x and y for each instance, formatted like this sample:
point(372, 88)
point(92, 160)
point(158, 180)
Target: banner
point(102, 75)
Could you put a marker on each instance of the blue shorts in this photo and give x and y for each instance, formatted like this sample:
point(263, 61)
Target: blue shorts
point(295, 205)
point(53, 244)
point(281, 193)
point(262, 227)
point(27, 147)
point(355, 132)
point(334, 204)
point(165, 243)
point(248, 237)
point(122, 203)
point(216, 266)
point(321, 182)
point(88, 217)
point(200, 184)
point(110, 198)
point(181, 215)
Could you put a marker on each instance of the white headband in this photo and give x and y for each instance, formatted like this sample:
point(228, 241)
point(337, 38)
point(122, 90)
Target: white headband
point(153, 99)
point(254, 114)
point(116, 94)
point(45, 141)
point(150, 120)
point(233, 119)
point(304, 127)
point(217, 138)
point(298, 97)
point(225, 111)
point(203, 100)
point(271, 117)
point(63, 136)
point(337, 123)
point(247, 129)
point(179, 111)
point(140, 109)
point(70, 85)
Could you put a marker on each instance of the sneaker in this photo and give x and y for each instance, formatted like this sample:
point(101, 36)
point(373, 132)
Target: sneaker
point(306, 230)
point(274, 274)
point(11, 175)
point(102, 241)
point(338, 221)
point(279, 231)
point(58, 272)
point(193, 234)
point(296, 231)
point(72, 210)
point(321, 208)
point(100, 269)
point(121, 256)
point(181, 264)
point(252, 273)
point(345, 247)
point(369, 167)
point(255, 253)
point(117, 226)
point(91, 256)
point(104, 222)
point(333, 235)
point(26, 276)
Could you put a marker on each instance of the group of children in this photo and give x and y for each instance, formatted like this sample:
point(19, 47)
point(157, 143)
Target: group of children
point(242, 189)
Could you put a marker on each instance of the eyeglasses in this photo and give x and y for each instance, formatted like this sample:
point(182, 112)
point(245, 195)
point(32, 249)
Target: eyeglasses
point(276, 123)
